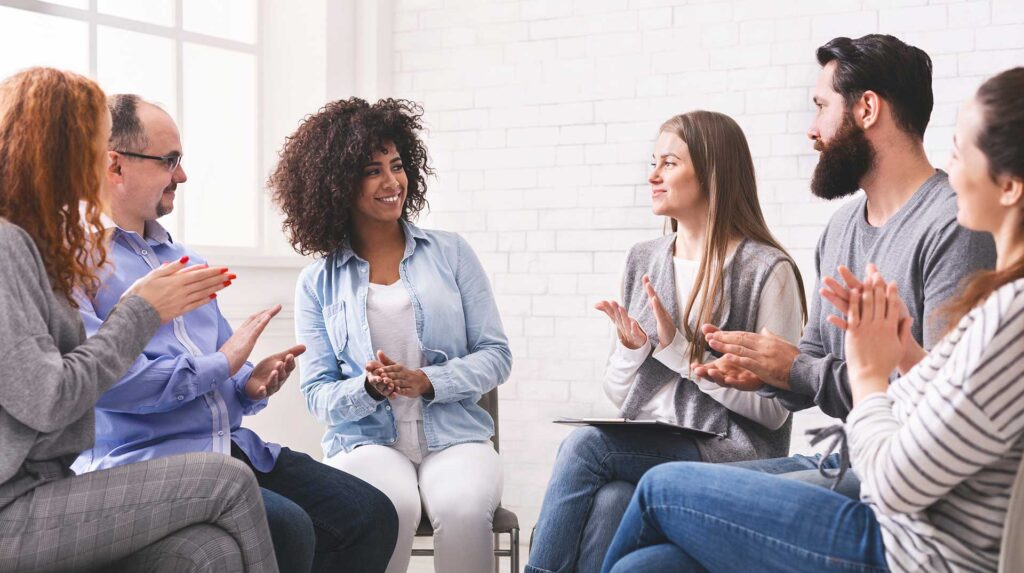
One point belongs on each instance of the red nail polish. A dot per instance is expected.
(227, 283)
(232, 277)
(183, 260)
(214, 295)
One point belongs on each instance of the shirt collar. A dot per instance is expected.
(154, 231)
(412, 235)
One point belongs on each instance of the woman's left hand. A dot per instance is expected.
(873, 345)
(408, 383)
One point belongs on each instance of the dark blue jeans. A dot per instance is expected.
(588, 459)
(688, 517)
(355, 525)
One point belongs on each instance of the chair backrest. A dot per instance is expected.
(489, 402)
(1011, 554)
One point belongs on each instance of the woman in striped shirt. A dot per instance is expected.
(937, 450)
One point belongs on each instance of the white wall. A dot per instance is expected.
(542, 116)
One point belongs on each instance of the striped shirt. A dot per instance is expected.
(938, 453)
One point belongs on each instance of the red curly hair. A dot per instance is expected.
(50, 121)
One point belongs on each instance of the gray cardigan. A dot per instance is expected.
(50, 375)
(745, 276)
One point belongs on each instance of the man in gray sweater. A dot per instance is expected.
(874, 100)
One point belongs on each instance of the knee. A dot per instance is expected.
(581, 443)
(466, 515)
(613, 498)
(383, 514)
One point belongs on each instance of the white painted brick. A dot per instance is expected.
(936, 42)
(970, 14)
(555, 197)
(850, 24)
(989, 62)
(739, 57)
(916, 18)
(1000, 37)
(566, 114)
(1007, 11)
(757, 78)
(655, 18)
(793, 52)
(757, 32)
(512, 221)
(556, 305)
(778, 100)
(720, 35)
(531, 136)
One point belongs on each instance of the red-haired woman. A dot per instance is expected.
(198, 512)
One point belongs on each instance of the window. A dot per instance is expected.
(198, 59)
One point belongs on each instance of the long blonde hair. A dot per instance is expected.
(725, 173)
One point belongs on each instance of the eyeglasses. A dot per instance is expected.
(171, 161)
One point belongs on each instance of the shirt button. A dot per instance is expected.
(364, 327)
(387, 407)
(362, 269)
(220, 433)
(144, 252)
(181, 397)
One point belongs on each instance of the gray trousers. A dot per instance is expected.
(195, 512)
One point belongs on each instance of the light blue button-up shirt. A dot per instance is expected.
(458, 327)
(177, 397)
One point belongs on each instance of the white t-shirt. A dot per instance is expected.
(393, 329)
(778, 310)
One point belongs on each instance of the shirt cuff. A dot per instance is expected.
(441, 379)
(628, 355)
(210, 370)
(803, 376)
(675, 355)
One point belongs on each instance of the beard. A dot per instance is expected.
(160, 209)
(843, 162)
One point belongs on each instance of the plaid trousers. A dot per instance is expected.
(193, 512)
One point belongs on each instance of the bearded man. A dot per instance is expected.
(874, 99)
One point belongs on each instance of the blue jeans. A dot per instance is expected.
(355, 525)
(611, 500)
(291, 532)
(805, 469)
(589, 459)
(689, 517)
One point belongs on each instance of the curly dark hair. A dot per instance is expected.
(320, 171)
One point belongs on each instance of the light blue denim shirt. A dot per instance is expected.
(458, 327)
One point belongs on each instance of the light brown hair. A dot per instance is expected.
(725, 173)
(49, 125)
(1001, 140)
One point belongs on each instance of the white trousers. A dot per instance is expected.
(460, 487)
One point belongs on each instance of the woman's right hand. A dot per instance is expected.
(631, 335)
(174, 289)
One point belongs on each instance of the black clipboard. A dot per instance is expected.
(621, 422)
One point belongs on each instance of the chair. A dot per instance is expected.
(1011, 554)
(505, 522)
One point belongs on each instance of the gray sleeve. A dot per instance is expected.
(954, 253)
(817, 378)
(43, 388)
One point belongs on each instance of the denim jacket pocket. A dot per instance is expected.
(337, 329)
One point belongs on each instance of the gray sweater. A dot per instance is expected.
(745, 275)
(922, 248)
(50, 375)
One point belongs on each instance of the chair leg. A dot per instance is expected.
(497, 559)
(514, 553)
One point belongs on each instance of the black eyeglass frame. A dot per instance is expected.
(171, 160)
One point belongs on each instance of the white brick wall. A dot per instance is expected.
(542, 116)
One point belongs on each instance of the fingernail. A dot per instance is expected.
(222, 271)
(214, 295)
(232, 277)
(227, 283)
(183, 260)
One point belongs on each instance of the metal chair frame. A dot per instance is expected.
(488, 402)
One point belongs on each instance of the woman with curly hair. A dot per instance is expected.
(199, 512)
(402, 333)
